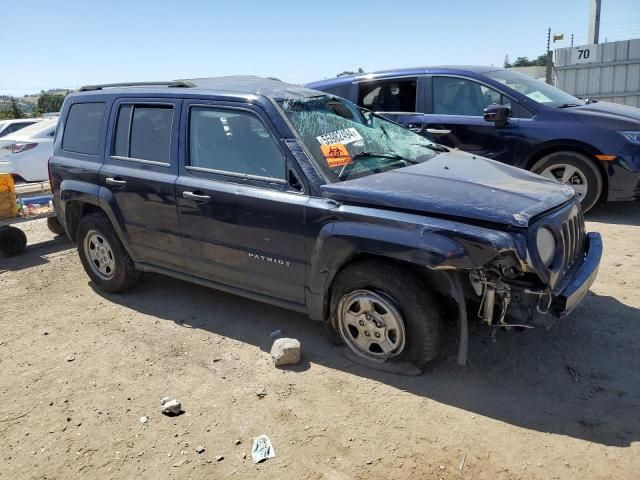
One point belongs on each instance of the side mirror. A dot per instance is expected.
(498, 114)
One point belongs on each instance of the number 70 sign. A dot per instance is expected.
(584, 54)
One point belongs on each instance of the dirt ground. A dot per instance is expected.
(563, 403)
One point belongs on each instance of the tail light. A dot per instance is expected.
(20, 147)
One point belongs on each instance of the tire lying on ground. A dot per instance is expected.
(384, 313)
(576, 170)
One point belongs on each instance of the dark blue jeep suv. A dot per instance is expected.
(513, 118)
(304, 200)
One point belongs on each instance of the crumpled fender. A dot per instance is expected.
(433, 243)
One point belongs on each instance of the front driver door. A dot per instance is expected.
(455, 119)
(243, 225)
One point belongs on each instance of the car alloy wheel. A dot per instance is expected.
(100, 255)
(371, 325)
(569, 175)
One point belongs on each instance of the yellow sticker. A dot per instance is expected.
(335, 154)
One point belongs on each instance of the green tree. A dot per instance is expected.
(49, 102)
(347, 72)
(539, 61)
(12, 112)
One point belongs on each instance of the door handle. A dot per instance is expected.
(196, 197)
(116, 182)
(438, 131)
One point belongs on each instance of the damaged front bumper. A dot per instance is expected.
(575, 287)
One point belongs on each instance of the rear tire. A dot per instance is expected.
(575, 170)
(383, 304)
(55, 227)
(103, 256)
(13, 241)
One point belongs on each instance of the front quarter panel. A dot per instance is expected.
(339, 233)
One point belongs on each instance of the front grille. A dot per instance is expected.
(572, 233)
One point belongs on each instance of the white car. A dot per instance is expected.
(7, 127)
(25, 153)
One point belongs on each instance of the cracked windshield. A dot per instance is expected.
(348, 142)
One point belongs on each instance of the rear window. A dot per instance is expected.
(83, 127)
(143, 132)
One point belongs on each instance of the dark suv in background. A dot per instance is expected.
(297, 198)
(513, 118)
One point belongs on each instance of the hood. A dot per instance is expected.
(611, 111)
(457, 184)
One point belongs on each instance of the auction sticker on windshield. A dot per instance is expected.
(344, 136)
(336, 154)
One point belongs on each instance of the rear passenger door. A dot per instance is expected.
(242, 222)
(140, 172)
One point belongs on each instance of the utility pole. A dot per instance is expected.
(594, 22)
(549, 57)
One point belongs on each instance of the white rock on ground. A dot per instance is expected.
(285, 351)
(171, 407)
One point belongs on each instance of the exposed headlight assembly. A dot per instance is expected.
(546, 243)
(632, 136)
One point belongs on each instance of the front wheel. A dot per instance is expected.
(575, 170)
(103, 256)
(384, 314)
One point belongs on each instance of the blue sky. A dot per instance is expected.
(69, 43)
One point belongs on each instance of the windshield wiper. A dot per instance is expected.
(434, 146)
(360, 155)
(568, 105)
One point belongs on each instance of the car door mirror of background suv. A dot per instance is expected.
(498, 114)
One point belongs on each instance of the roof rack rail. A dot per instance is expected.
(174, 83)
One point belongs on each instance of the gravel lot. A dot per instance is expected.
(563, 403)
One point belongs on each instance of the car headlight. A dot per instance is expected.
(632, 136)
(546, 244)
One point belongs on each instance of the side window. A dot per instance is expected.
(143, 132)
(233, 141)
(389, 95)
(83, 127)
(459, 96)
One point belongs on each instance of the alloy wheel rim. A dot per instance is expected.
(371, 325)
(568, 175)
(100, 255)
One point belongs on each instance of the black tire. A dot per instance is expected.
(585, 166)
(55, 227)
(125, 275)
(13, 241)
(416, 305)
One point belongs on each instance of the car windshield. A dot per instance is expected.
(37, 129)
(536, 90)
(348, 142)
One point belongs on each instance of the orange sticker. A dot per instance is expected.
(335, 154)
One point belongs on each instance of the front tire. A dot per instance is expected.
(384, 313)
(575, 170)
(103, 256)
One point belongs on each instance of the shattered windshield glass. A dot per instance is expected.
(348, 142)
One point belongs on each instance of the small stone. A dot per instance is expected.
(369, 462)
(238, 442)
(45, 333)
(261, 392)
(180, 463)
(71, 358)
(285, 351)
(172, 407)
(442, 467)
(144, 419)
(199, 449)
(219, 458)
(244, 455)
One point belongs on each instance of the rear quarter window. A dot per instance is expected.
(83, 127)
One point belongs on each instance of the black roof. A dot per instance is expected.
(240, 85)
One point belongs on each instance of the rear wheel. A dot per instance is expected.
(575, 170)
(103, 256)
(54, 226)
(383, 313)
(12, 241)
